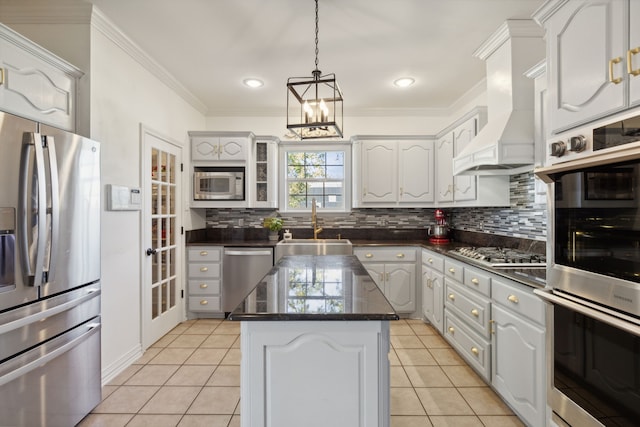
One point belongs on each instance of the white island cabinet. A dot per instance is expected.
(315, 358)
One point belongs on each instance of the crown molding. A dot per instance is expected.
(105, 26)
(511, 28)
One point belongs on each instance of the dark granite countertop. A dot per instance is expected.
(388, 237)
(308, 287)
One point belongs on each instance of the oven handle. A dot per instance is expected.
(629, 325)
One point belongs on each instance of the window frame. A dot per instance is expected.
(316, 146)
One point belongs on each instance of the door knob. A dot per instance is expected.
(150, 252)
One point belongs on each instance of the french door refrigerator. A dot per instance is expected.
(49, 275)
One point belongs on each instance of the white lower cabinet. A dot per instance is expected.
(204, 277)
(393, 269)
(433, 289)
(498, 326)
(518, 367)
(315, 373)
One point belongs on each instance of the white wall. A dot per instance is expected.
(124, 95)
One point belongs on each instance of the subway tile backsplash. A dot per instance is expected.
(522, 219)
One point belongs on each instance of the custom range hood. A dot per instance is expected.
(505, 146)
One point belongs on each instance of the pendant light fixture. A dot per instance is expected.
(314, 105)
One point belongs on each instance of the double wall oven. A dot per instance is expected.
(593, 277)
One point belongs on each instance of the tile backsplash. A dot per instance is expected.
(522, 219)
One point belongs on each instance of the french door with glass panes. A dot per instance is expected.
(162, 306)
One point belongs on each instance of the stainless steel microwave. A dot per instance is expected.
(218, 183)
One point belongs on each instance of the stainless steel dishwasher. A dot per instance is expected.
(242, 269)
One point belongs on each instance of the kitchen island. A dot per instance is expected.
(315, 344)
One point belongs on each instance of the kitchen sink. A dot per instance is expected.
(313, 247)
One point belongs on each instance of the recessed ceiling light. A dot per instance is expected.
(253, 83)
(404, 82)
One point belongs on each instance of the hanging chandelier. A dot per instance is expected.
(314, 105)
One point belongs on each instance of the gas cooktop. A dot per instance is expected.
(502, 257)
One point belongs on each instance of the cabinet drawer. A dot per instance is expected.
(471, 307)
(204, 270)
(520, 299)
(473, 348)
(453, 269)
(478, 281)
(433, 260)
(200, 287)
(202, 254)
(204, 303)
(395, 254)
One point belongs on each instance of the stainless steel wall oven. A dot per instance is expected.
(593, 284)
(593, 279)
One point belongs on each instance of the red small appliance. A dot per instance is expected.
(439, 233)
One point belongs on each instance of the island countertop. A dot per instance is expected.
(309, 287)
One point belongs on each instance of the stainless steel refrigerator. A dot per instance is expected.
(50, 371)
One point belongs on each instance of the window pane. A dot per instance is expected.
(335, 172)
(315, 174)
(335, 158)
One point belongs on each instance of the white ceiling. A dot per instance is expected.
(210, 46)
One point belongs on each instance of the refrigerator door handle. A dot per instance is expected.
(55, 208)
(31, 209)
(24, 369)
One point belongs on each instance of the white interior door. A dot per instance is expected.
(162, 304)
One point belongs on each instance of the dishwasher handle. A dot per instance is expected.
(246, 253)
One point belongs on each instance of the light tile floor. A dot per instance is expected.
(191, 377)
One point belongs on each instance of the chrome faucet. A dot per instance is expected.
(314, 220)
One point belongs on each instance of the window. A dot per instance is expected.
(316, 172)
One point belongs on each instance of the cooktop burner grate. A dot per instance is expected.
(502, 257)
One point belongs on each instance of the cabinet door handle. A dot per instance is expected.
(204, 269)
(204, 253)
(430, 260)
(613, 80)
(1, 76)
(475, 312)
(204, 302)
(475, 351)
(513, 299)
(630, 54)
(203, 286)
(430, 283)
(368, 255)
(452, 297)
(452, 270)
(451, 330)
(475, 281)
(400, 255)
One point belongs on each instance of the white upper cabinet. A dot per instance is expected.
(588, 53)
(36, 84)
(455, 188)
(465, 190)
(393, 173)
(221, 147)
